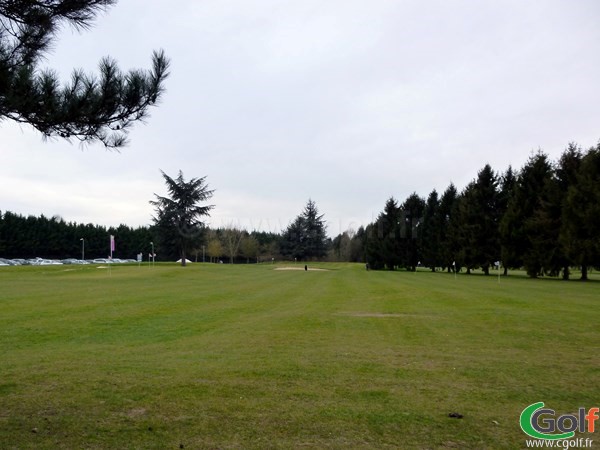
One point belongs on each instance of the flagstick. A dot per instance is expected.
(499, 265)
(112, 246)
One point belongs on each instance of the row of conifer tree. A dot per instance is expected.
(544, 218)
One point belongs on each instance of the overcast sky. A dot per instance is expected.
(344, 102)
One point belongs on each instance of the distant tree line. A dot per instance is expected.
(544, 218)
(54, 238)
(30, 237)
(304, 239)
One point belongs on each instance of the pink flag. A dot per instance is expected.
(112, 243)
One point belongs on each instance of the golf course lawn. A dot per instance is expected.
(246, 356)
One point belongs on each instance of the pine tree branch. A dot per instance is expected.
(88, 109)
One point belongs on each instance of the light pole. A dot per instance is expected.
(82, 249)
(152, 244)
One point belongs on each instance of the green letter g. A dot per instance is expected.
(526, 422)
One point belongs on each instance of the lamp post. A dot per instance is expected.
(82, 249)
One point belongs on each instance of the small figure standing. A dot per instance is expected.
(305, 267)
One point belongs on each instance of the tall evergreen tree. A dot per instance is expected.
(305, 237)
(519, 227)
(371, 247)
(548, 217)
(411, 220)
(580, 232)
(448, 245)
(177, 221)
(383, 238)
(316, 237)
(507, 184)
(292, 240)
(566, 173)
(481, 219)
(431, 233)
(465, 211)
(89, 108)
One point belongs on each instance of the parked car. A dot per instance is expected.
(101, 261)
(44, 262)
(49, 262)
(70, 261)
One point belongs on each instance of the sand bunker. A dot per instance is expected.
(312, 269)
(380, 315)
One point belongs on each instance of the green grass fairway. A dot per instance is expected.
(219, 356)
